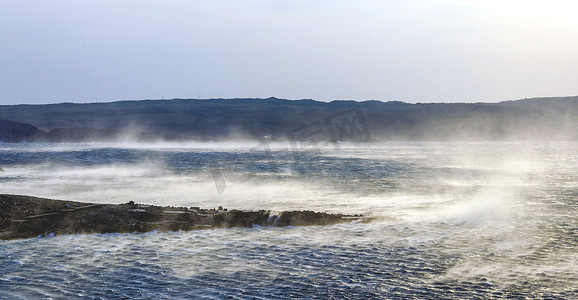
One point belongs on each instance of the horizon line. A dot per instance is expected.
(286, 99)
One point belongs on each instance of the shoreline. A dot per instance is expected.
(23, 217)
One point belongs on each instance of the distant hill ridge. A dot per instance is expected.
(554, 118)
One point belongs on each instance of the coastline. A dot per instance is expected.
(24, 217)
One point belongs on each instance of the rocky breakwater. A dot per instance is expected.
(28, 217)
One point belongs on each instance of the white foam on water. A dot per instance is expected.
(500, 211)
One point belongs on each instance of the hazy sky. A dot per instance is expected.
(408, 50)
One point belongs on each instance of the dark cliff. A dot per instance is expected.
(16, 132)
(217, 119)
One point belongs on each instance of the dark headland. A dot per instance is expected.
(28, 217)
(222, 119)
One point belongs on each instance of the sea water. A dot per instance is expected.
(452, 220)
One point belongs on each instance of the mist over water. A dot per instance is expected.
(452, 219)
